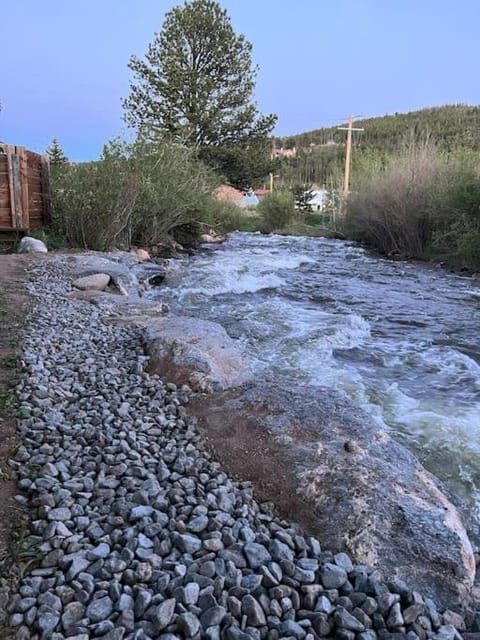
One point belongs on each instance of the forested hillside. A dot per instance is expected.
(451, 126)
(320, 153)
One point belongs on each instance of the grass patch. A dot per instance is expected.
(9, 362)
(249, 222)
(7, 401)
(26, 555)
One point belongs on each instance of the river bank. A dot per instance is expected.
(141, 532)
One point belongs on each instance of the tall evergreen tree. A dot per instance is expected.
(56, 155)
(195, 85)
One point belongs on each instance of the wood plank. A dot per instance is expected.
(18, 213)
(5, 218)
(10, 184)
(24, 188)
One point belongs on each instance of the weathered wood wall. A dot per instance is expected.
(23, 179)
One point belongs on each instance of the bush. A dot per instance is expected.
(424, 203)
(276, 210)
(135, 194)
(92, 202)
(392, 211)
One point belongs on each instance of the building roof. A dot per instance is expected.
(261, 192)
(226, 193)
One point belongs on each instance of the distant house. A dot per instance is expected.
(284, 153)
(319, 199)
(226, 193)
(249, 200)
(261, 193)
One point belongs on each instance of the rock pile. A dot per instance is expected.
(141, 534)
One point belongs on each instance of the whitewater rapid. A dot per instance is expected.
(399, 339)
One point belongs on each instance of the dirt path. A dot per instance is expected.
(14, 306)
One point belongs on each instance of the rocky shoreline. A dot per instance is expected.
(141, 533)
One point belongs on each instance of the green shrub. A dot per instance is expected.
(135, 194)
(424, 203)
(276, 210)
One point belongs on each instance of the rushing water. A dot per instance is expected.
(401, 340)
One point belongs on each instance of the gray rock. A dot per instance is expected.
(198, 524)
(395, 618)
(212, 616)
(141, 511)
(189, 593)
(62, 513)
(195, 352)
(254, 612)
(411, 613)
(95, 282)
(47, 620)
(164, 614)
(345, 620)
(342, 560)
(100, 551)
(78, 565)
(292, 628)
(188, 543)
(115, 565)
(280, 551)
(188, 624)
(333, 576)
(324, 605)
(99, 609)
(72, 613)
(257, 555)
(31, 245)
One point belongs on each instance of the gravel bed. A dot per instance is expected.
(141, 533)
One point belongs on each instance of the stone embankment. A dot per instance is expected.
(141, 533)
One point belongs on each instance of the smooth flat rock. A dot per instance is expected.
(129, 276)
(196, 352)
(121, 274)
(95, 282)
(31, 245)
(345, 481)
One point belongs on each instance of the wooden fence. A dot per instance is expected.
(23, 180)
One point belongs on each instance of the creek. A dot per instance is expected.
(399, 339)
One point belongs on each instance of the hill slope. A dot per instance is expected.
(451, 126)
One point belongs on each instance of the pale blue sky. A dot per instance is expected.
(63, 63)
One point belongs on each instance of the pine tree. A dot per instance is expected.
(56, 155)
(195, 86)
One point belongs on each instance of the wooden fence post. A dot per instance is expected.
(24, 187)
(46, 200)
(11, 190)
(18, 187)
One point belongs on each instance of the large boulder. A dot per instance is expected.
(31, 245)
(196, 352)
(345, 481)
(95, 282)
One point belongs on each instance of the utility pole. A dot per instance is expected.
(348, 155)
(271, 182)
